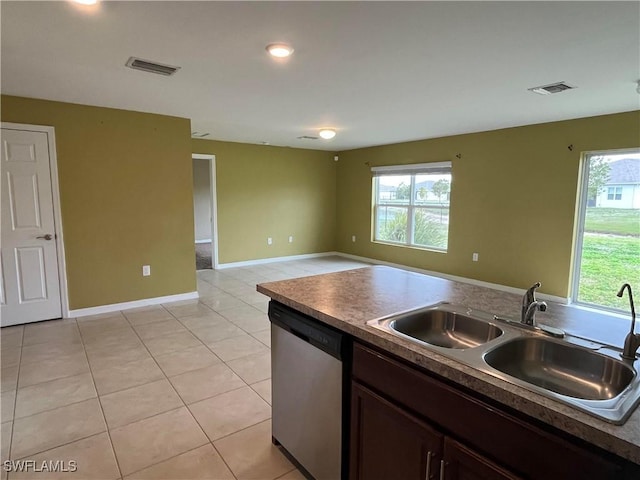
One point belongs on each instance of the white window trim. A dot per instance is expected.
(579, 227)
(412, 169)
(409, 170)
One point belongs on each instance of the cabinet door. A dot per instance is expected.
(388, 443)
(461, 463)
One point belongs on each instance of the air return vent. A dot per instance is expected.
(151, 67)
(306, 137)
(551, 88)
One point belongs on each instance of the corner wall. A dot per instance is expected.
(126, 198)
(265, 191)
(513, 198)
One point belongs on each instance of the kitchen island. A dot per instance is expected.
(348, 300)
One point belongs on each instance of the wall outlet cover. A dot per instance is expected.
(146, 270)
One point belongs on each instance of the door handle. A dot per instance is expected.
(48, 236)
(442, 465)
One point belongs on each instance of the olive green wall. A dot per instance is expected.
(513, 199)
(265, 191)
(126, 199)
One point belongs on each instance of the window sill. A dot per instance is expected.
(414, 247)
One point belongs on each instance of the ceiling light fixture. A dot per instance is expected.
(86, 2)
(279, 50)
(327, 133)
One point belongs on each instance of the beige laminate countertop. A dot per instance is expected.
(347, 300)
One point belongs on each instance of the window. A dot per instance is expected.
(607, 252)
(614, 193)
(411, 205)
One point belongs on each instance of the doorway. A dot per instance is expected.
(33, 281)
(205, 211)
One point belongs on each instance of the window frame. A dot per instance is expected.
(579, 229)
(410, 170)
(614, 193)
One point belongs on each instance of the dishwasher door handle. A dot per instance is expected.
(300, 335)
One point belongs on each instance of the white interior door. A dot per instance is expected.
(30, 288)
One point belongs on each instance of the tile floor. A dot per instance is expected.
(174, 391)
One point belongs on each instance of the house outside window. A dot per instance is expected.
(411, 205)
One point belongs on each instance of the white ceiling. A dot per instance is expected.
(379, 72)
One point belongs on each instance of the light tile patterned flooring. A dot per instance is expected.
(177, 391)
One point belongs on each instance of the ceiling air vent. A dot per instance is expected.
(151, 67)
(551, 88)
(199, 134)
(306, 137)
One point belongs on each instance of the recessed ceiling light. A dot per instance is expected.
(279, 50)
(86, 2)
(327, 133)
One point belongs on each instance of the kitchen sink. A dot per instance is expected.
(445, 327)
(583, 374)
(561, 368)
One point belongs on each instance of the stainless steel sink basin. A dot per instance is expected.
(585, 375)
(561, 368)
(444, 327)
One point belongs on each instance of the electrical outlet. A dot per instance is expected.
(290, 238)
(353, 238)
(474, 257)
(269, 241)
(146, 270)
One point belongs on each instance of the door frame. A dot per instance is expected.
(213, 203)
(55, 193)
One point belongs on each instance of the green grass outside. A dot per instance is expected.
(610, 255)
(608, 261)
(619, 221)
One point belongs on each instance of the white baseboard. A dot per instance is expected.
(262, 261)
(206, 240)
(115, 307)
(471, 281)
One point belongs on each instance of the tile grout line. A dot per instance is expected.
(247, 384)
(50, 410)
(104, 417)
(208, 398)
(185, 405)
(15, 400)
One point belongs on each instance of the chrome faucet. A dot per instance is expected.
(632, 341)
(530, 305)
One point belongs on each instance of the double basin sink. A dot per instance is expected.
(592, 378)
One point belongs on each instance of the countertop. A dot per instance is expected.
(347, 300)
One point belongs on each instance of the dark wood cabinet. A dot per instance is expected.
(462, 463)
(388, 443)
(401, 416)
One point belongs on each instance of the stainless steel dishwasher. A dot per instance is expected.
(309, 375)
